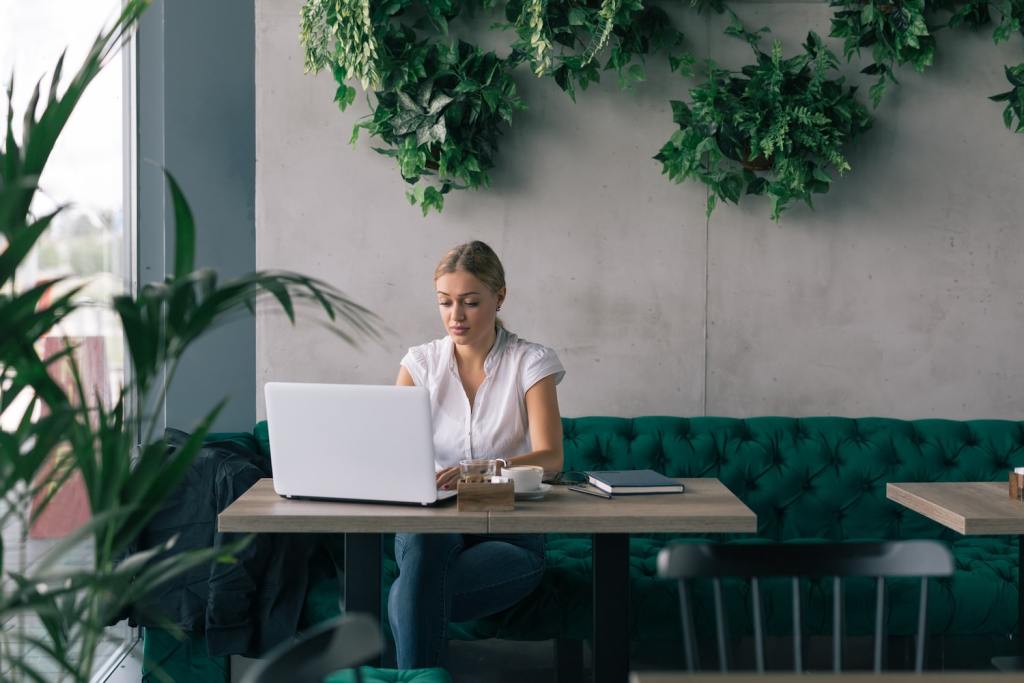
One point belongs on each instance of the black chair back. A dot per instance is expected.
(917, 558)
(341, 643)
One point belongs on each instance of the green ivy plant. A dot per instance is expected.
(776, 127)
(1010, 13)
(1014, 98)
(628, 30)
(895, 30)
(978, 13)
(445, 126)
(439, 106)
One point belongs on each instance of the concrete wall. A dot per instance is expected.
(901, 295)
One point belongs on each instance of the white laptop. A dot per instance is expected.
(352, 442)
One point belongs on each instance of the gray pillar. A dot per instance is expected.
(196, 117)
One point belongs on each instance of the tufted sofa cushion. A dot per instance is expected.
(808, 480)
(815, 477)
(372, 675)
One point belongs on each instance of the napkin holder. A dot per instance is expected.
(486, 497)
(1017, 484)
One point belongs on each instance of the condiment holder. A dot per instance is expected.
(496, 495)
(1017, 484)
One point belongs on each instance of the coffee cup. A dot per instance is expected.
(525, 478)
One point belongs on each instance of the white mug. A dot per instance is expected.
(525, 478)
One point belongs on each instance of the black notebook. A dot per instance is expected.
(634, 481)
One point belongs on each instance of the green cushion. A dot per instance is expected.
(815, 477)
(243, 439)
(372, 675)
(262, 436)
(809, 479)
(165, 657)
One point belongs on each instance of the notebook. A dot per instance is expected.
(634, 481)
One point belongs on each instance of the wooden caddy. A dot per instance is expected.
(486, 497)
(1016, 486)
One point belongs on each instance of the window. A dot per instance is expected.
(90, 242)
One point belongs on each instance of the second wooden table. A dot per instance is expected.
(971, 508)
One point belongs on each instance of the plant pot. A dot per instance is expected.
(883, 7)
(758, 163)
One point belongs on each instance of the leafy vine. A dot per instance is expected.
(775, 128)
(439, 105)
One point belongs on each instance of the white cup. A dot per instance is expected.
(525, 478)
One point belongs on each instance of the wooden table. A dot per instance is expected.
(706, 507)
(828, 677)
(971, 508)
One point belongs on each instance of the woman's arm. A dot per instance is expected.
(545, 428)
(446, 477)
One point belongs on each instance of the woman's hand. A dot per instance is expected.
(446, 478)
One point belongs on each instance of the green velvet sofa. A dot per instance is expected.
(808, 479)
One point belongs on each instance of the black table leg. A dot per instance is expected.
(1020, 595)
(362, 574)
(1016, 663)
(611, 608)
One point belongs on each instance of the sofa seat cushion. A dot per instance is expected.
(971, 602)
(373, 675)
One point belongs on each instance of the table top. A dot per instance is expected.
(707, 506)
(260, 509)
(969, 507)
(826, 677)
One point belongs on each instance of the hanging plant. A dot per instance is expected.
(438, 109)
(1014, 98)
(445, 126)
(566, 38)
(1010, 13)
(978, 13)
(895, 30)
(776, 127)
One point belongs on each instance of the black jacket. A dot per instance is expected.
(243, 607)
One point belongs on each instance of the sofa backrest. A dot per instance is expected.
(814, 477)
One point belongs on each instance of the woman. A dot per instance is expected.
(492, 395)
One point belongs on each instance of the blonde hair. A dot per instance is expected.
(477, 259)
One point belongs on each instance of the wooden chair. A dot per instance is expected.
(916, 558)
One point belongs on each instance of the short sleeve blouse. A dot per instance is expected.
(497, 426)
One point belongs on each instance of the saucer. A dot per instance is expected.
(535, 494)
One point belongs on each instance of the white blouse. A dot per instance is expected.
(497, 425)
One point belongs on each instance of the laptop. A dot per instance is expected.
(352, 442)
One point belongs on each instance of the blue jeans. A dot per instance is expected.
(455, 577)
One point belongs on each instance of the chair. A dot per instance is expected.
(345, 642)
(917, 558)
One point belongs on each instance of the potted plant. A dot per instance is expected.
(1014, 98)
(581, 31)
(896, 32)
(439, 108)
(445, 125)
(776, 127)
(127, 470)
